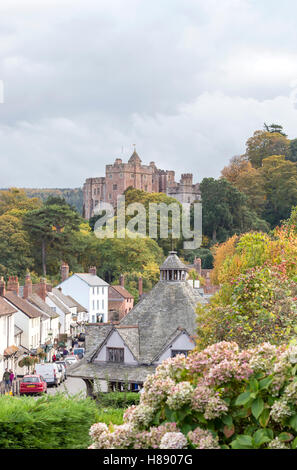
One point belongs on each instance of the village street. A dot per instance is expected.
(71, 385)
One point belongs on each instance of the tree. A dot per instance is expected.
(51, 228)
(292, 154)
(274, 128)
(256, 302)
(225, 210)
(237, 166)
(15, 246)
(15, 198)
(115, 256)
(280, 183)
(264, 144)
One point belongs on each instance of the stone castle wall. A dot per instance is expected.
(119, 176)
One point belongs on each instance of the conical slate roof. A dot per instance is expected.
(168, 306)
(173, 262)
(134, 158)
(147, 330)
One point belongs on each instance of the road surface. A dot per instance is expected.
(72, 385)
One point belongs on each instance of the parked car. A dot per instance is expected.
(63, 363)
(51, 373)
(70, 360)
(62, 369)
(33, 384)
(79, 352)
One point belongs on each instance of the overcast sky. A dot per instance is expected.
(187, 81)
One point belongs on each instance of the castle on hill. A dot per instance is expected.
(119, 176)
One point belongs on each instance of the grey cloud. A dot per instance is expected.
(188, 82)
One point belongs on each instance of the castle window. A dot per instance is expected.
(110, 175)
(114, 186)
(115, 354)
(109, 195)
(121, 175)
(132, 175)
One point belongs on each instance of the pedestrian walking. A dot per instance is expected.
(11, 377)
(6, 379)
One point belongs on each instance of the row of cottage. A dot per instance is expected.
(35, 319)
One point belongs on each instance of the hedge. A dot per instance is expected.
(49, 422)
(117, 399)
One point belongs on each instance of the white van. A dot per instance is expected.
(50, 372)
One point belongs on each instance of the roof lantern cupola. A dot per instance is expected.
(173, 270)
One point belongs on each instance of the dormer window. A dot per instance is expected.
(115, 354)
(175, 352)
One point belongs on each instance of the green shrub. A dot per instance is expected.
(111, 415)
(117, 399)
(50, 422)
(221, 397)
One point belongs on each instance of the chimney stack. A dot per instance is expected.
(64, 271)
(27, 287)
(2, 287)
(122, 280)
(42, 291)
(140, 286)
(93, 270)
(13, 284)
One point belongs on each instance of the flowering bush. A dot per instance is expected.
(261, 305)
(221, 397)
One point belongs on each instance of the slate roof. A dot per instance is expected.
(80, 308)
(147, 330)
(135, 158)
(166, 307)
(58, 303)
(6, 308)
(121, 290)
(68, 301)
(130, 336)
(36, 300)
(172, 262)
(23, 305)
(94, 337)
(111, 371)
(91, 280)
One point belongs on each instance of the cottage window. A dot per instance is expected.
(115, 354)
(175, 352)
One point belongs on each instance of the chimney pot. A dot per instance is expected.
(13, 284)
(93, 270)
(64, 271)
(27, 287)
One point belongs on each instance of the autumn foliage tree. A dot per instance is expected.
(257, 300)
